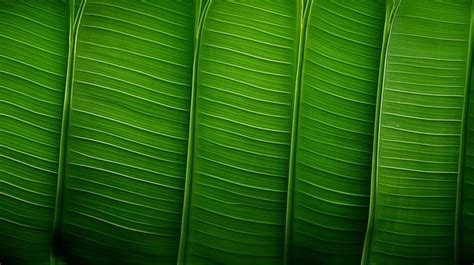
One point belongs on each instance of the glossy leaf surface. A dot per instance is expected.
(336, 119)
(128, 132)
(246, 79)
(236, 132)
(467, 232)
(420, 133)
(33, 59)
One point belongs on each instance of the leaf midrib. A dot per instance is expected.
(198, 25)
(302, 22)
(74, 22)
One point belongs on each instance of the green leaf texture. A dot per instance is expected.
(419, 134)
(244, 105)
(77, 7)
(468, 187)
(128, 132)
(33, 58)
(336, 120)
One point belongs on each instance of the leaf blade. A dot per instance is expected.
(335, 126)
(32, 69)
(243, 119)
(128, 132)
(418, 150)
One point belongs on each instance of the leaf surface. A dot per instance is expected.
(33, 59)
(335, 131)
(467, 233)
(419, 134)
(128, 129)
(242, 130)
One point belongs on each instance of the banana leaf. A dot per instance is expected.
(414, 217)
(127, 135)
(335, 131)
(236, 192)
(236, 132)
(33, 65)
(467, 232)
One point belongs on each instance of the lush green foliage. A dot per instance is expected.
(420, 132)
(33, 60)
(236, 132)
(127, 136)
(335, 131)
(467, 225)
(246, 71)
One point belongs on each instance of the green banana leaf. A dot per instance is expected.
(236, 132)
(467, 243)
(77, 7)
(127, 133)
(237, 175)
(335, 131)
(414, 217)
(33, 60)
